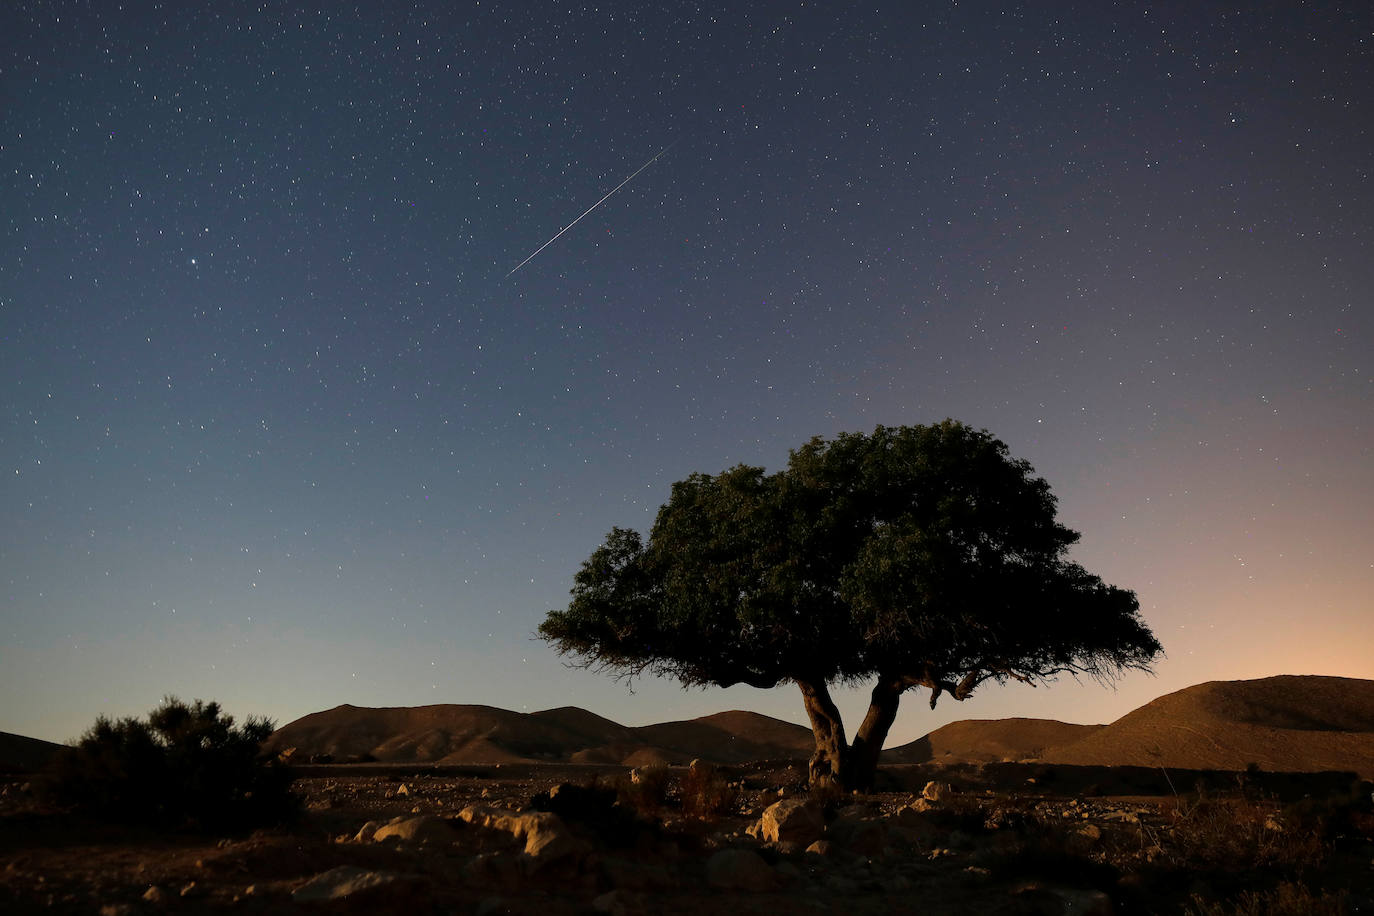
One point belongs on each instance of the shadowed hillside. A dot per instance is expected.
(988, 741)
(19, 754)
(1291, 722)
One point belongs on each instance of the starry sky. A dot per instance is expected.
(279, 427)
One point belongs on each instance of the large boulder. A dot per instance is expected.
(546, 837)
(423, 829)
(792, 820)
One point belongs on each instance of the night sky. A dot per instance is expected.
(279, 427)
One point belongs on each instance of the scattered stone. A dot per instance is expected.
(403, 789)
(740, 870)
(799, 820)
(154, 894)
(823, 848)
(189, 890)
(1090, 832)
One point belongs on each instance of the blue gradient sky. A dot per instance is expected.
(277, 429)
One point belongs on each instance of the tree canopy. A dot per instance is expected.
(921, 556)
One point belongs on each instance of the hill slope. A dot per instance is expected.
(19, 754)
(988, 741)
(1286, 723)
(484, 734)
(1291, 722)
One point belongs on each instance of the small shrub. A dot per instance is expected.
(645, 789)
(184, 766)
(1239, 835)
(707, 794)
(1285, 900)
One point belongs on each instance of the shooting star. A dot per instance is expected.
(591, 208)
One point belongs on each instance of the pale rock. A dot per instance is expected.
(545, 835)
(823, 848)
(154, 894)
(341, 882)
(938, 792)
(799, 820)
(423, 829)
(368, 830)
(740, 870)
(403, 789)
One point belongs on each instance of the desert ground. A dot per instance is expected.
(981, 825)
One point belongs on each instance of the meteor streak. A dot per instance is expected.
(591, 208)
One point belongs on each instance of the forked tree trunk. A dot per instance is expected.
(828, 764)
(834, 763)
(872, 733)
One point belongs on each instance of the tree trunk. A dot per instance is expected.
(828, 763)
(868, 740)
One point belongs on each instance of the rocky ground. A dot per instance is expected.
(556, 840)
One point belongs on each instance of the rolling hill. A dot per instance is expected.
(988, 741)
(1286, 723)
(452, 734)
(1298, 723)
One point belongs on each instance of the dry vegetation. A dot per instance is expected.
(644, 839)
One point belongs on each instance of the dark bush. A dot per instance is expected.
(188, 765)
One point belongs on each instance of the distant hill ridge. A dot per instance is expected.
(1289, 722)
(1286, 723)
(452, 734)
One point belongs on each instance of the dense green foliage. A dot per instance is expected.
(920, 556)
(187, 765)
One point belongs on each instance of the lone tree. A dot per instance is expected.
(919, 556)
